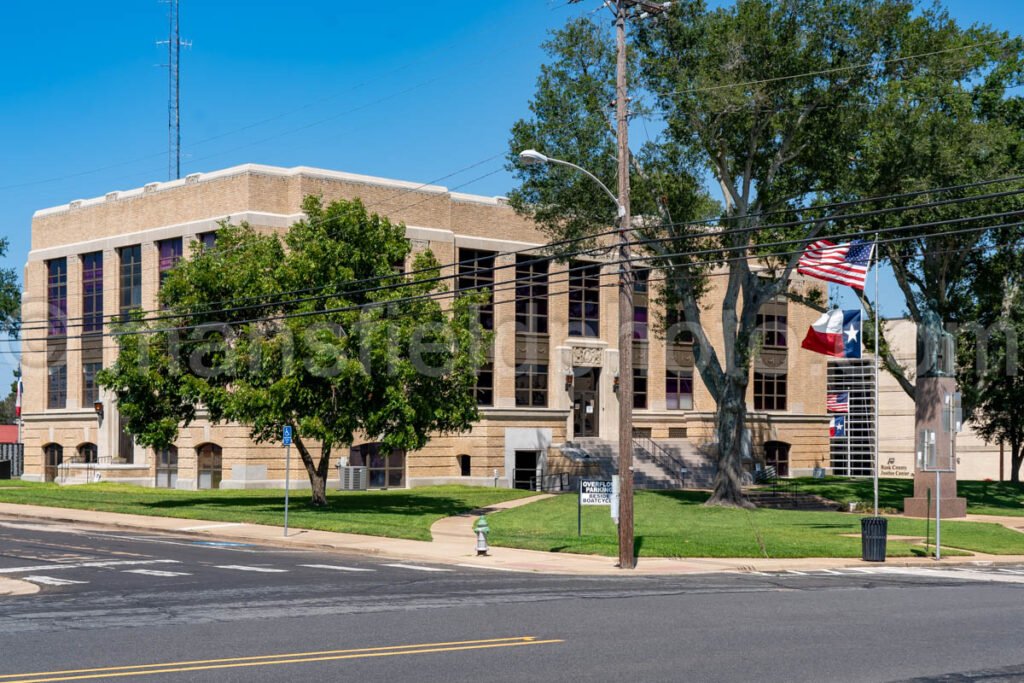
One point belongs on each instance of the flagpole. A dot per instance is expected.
(878, 314)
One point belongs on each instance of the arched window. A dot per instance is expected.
(209, 464)
(167, 467)
(53, 456)
(87, 453)
(776, 454)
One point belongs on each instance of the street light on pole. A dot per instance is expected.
(531, 157)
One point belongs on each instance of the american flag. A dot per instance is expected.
(838, 403)
(844, 264)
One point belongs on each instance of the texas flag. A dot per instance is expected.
(836, 333)
(17, 400)
(837, 426)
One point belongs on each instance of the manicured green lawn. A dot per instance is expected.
(676, 524)
(983, 497)
(396, 514)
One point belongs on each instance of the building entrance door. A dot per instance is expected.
(525, 472)
(585, 408)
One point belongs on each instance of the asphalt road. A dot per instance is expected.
(120, 605)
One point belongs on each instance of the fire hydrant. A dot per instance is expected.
(481, 528)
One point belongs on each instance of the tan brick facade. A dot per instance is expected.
(445, 222)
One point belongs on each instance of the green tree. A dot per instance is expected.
(7, 405)
(10, 296)
(787, 107)
(317, 329)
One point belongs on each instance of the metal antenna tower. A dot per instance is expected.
(174, 44)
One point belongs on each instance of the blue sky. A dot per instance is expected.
(411, 90)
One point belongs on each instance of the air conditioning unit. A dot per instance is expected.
(353, 478)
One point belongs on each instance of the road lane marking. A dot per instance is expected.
(82, 565)
(50, 580)
(246, 568)
(793, 571)
(860, 571)
(154, 572)
(337, 567)
(272, 660)
(829, 571)
(208, 526)
(417, 567)
(961, 574)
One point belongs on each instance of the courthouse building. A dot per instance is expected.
(551, 378)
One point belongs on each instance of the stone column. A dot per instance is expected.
(929, 405)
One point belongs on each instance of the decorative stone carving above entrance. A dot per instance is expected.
(586, 356)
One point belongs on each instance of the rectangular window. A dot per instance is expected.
(170, 254)
(57, 387)
(773, 330)
(92, 292)
(531, 294)
(641, 276)
(639, 387)
(584, 300)
(476, 274)
(207, 239)
(131, 278)
(57, 296)
(532, 385)
(769, 391)
(485, 385)
(639, 323)
(679, 389)
(90, 390)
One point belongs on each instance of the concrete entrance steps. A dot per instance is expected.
(661, 465)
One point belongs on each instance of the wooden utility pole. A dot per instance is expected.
(626, 554)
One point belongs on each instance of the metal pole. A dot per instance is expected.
(626, 560)
(938, 515)
(579, 510)
(878, 315)
(287, 483)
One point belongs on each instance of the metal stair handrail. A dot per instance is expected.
(658, 453)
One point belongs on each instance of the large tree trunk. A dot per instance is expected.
(317, 472)
(1016, 456)
(729, 428)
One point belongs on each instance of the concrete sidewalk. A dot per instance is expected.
(455, 543)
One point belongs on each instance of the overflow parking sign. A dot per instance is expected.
(595, 492)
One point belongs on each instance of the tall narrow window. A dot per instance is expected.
(584, 300)
(57, 296)
(476, 274)
(57, 387)
(92, 292)
(679, 389)
(485, 384)
(639, 387)
(131, 278)
(90, 390)
(639, 323)
(531, 294)
(170, 254)
(678, 330)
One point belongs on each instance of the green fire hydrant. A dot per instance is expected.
(481, 528)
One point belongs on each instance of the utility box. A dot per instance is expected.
(352, 478)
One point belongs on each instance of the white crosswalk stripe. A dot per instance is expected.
(829, 571)
(81, 565)
(154, 572)
(417, 567)
(336, 567)
(51, 581)
(245, 568)
(793, 571)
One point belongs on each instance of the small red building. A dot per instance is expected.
(8, 433)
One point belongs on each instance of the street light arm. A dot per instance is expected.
(619, 207)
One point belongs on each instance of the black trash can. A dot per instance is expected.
(873, 532)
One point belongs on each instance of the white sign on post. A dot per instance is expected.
(595, 492)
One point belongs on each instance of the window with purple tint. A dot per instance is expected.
(207, 239)
(584, 299)
(679, 390)
(131, 278)
(640, 322)
(57, 296)
(170, 254)
(92, 292)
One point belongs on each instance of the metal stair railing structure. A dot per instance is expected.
(661, 456)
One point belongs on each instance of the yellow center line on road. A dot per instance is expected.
(271, 660)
